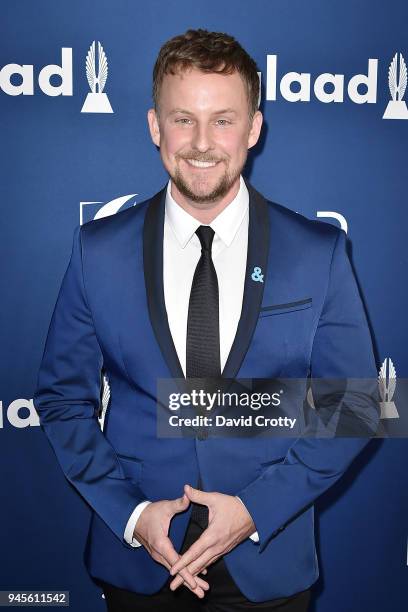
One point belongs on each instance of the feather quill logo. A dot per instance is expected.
(397, 83)
(387, 382)
(96, 65)
(104, 399)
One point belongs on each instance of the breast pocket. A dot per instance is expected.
(276, 309)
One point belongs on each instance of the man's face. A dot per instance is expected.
(204, 134)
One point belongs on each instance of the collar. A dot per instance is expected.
(225, 225)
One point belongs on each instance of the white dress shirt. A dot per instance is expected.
(181, 253)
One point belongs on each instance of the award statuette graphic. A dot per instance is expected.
(104, 400)
(96, 101)
(387, 381)
(397, 108)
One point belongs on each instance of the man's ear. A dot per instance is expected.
(255, 129)
(154, 128)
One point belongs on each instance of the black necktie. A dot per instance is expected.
(203, 331)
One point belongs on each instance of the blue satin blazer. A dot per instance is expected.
(306, 319)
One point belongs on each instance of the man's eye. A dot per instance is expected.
(185, 120)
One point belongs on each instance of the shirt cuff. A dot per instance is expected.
(131, 524)
(254, 536)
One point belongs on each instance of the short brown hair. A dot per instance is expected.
(208, 52)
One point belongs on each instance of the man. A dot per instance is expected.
(205, 278)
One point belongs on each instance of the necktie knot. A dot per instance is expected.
(205, 234)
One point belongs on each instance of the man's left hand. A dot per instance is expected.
(229, 522)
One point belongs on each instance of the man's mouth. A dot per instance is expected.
(201, 164)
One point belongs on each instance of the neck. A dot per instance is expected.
(212, 210)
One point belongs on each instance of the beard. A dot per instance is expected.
(201, 196)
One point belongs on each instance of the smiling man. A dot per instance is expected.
(205, 279)
(204, 125)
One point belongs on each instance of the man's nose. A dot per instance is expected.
(201, 139)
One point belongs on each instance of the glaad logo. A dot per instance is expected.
(328, 87)
(397, 108)
(20, 413)
(96, 101)
(387, 381)
(25, 75)
(334, 81)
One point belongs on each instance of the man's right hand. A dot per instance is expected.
(152, 530)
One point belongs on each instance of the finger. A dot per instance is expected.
(171, 557)
(202, 583)
(189, 579)
(193, 553)
(178, 580)
(196, 569)
(180, 504)
(201, 587)
(204, 561)
(196, 495)
(175, 583)
(203, 571)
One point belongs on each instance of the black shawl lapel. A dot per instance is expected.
(153, 230)
(257, 257)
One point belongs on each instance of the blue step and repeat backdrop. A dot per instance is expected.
(334, 147)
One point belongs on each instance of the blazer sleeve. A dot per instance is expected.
(342, 350)
(67, 399)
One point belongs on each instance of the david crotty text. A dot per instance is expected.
(222, 421)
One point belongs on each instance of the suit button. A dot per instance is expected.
(202, 434)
